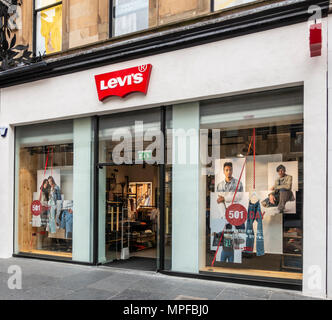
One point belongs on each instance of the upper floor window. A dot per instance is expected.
(48, 26)
(130, 16)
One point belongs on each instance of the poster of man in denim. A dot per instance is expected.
(228, 188)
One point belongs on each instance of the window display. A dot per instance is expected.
(254, 183)
(53, 190)
(45, 199)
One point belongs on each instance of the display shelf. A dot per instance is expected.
(254, 272)
(48, 253)
(292, 254)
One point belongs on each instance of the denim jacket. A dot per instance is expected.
(55, 195)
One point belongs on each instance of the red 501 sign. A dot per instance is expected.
(236, 214)
(36, 208)
(121, 83)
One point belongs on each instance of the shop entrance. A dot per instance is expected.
(131, 216)
(129, 190)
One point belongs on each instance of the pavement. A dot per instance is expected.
(45, 280)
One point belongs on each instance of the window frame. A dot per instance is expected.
(110, 19)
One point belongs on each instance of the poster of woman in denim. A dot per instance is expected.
(54, 204)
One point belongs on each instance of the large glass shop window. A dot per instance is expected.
(45, 190)
(252, 154)
(53, 190)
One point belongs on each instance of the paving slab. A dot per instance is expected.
(87, 294)
(45, 280)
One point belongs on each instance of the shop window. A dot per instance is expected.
(226, 4)
(48, 26)
(252, 174)
(53, 190)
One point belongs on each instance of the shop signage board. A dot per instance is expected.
(123, 82)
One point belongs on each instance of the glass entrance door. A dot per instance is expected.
(129, 164)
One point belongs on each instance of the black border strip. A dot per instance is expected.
(48, 7)
(280, 283)
(95, 190)
(14, 192)
(110, 18)
(234, 25)
(162, 193)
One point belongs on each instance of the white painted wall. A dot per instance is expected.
(270, 59)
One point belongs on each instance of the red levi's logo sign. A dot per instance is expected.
(121, 83)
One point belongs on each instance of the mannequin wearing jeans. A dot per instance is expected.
(255, 213)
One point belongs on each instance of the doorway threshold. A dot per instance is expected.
(134, 263)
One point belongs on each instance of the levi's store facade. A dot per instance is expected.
(215, 169)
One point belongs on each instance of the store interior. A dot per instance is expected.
(132, 216)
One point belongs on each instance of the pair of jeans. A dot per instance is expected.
(58, 210)
(51, 219)
(254, 213)
(285, 196)
(67, 222)
(227, 256)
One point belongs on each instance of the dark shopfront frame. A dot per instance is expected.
(223, 277)
(98, 165)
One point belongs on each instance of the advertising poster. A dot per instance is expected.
(276, 195)
(283, 184)
(228, 189)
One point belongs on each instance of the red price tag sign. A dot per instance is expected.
(36, 208)
(236, 214)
